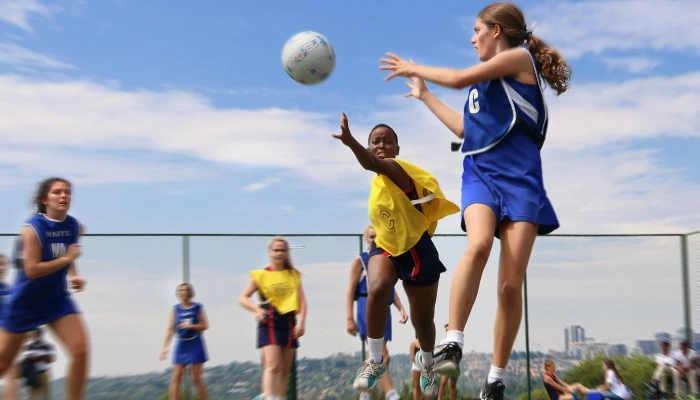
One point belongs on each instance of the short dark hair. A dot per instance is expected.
(396, 137)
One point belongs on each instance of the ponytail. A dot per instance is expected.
(552, 66)
(611, 366)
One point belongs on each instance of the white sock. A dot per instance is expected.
(496, 374)
(392, 395)
(454, 336)
(427, 358)
(375, 349)
(365, 396)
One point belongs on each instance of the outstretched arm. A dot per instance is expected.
(506, 63)
(452, 119)
(369, 161)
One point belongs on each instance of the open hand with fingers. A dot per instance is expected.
(345, 135)
(418, 88)
(398, 66)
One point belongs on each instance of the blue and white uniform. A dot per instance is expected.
(362, 291)
(505, 124)
(36, 302)
(189, 346)
(4, 298)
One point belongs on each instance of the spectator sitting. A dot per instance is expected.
(613, 387)
(556, 388)
(665, 367)
(685, 368)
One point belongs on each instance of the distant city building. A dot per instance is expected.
(573, 335)
(647, 347)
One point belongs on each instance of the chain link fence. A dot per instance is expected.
(584, 295)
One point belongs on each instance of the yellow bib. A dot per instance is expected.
(398, 224)
(279, 288)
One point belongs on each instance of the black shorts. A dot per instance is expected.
(419, 266)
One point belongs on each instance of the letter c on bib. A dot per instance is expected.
(473, 103)
(386, 217)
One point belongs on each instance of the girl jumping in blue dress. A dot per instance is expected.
(503, 126)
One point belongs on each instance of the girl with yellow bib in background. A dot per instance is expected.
(281, 300)
(404, 206)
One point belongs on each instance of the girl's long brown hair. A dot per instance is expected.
(552, 66)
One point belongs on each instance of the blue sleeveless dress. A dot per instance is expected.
(189, 348)
(36, 302)
(502, 168)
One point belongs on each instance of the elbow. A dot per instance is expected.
(31, 272)
(459, 127)
(371, 164)
(456, 81)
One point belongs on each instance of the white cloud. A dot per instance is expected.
(596, 26)
(257, 186)
(634, 65)
(595, 181)
(22, 165)
(13, 54)
(18, 12)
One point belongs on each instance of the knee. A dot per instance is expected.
(6, 371)
(479, 249)
(510, 292)
(177, 378)
(79, 349)
(422, 323)
(380, 288)
(197, 379)
(274, 366)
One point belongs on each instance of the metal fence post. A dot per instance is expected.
(185, 259)
(527, 342)
(686, 288)
(361, 341)
(186, 279)
(292, 386)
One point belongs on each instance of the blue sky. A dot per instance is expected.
(176, 116)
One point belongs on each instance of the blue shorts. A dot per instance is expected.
(419, 266)
(190, 352)
(362, 319)
(508, 179)
(277, 330)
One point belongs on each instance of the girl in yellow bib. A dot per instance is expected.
(404, 206)
(281, 300)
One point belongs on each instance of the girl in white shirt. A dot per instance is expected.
(614, 388)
